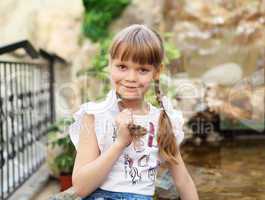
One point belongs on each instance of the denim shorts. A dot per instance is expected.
(100, 194)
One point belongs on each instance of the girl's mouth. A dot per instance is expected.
(129, 88)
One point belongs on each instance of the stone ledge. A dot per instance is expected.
(68, 194)
(33, 185)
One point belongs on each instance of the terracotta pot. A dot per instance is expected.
(65, 181)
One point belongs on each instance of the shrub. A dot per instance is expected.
(99, 15)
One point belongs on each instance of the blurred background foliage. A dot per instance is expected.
(99, 15)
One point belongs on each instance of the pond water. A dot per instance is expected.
(231, 170)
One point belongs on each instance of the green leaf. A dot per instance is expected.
(99, 15)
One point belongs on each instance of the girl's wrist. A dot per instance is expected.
(119, 145)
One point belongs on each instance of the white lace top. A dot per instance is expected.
(135, 170)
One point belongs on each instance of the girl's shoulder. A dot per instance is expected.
(92, 107)
(99, 110)
(103, 106)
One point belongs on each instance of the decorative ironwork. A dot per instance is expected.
(26, 111)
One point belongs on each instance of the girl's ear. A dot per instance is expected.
(158, 72)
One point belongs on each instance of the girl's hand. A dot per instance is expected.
(123, 135)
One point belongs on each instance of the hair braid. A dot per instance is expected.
(168, 147)
(158, 94)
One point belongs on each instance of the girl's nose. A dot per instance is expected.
(131, 76)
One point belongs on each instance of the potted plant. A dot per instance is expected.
(61, 160)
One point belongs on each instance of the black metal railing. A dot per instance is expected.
(26, 111)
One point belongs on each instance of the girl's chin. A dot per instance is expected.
(130, 95)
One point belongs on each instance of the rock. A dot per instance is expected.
(55, 27)
(224, 74)
(69, 194)
(213, 138)
(165, 187)
(58, 27)
(140, 12)
(17, 21)
(257, 101)
(197, 141)
(52, 25)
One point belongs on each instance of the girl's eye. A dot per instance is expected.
(121, 67)
(143, 70)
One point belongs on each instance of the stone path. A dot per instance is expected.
(50, 189)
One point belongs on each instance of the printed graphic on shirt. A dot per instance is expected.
(131, 170)
(114, 133)
(135, 176)
(151, 134)
(143, 161)
(138, 145)
(137, 167)
(152, 173)
(134, 171)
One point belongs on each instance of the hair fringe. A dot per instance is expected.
(139, 44)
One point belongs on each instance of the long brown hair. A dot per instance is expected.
(145, 46)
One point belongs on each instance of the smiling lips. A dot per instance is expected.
(130, 88)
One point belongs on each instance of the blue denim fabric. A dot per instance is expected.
(100, 194)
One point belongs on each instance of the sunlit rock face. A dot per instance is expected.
(216, 32)
(225, 74)
(209, 34)
(53, 25)
(147, 12)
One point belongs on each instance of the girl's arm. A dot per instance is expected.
(183, 180)
(90, 169)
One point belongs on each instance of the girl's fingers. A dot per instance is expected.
(126, 116)
(127, 110)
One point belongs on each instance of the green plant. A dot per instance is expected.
(98, 67)
(98, 16)
(167, 88)
(63, 162)
(171, 51)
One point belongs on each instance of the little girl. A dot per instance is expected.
(122, 140)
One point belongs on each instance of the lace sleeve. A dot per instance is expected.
(177, 122)
(75, 127)
(176, 118)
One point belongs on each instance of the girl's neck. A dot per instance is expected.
(137, 106)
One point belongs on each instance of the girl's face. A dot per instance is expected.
(131, 80)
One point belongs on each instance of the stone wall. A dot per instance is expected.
(53, 25)
(203, 32)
